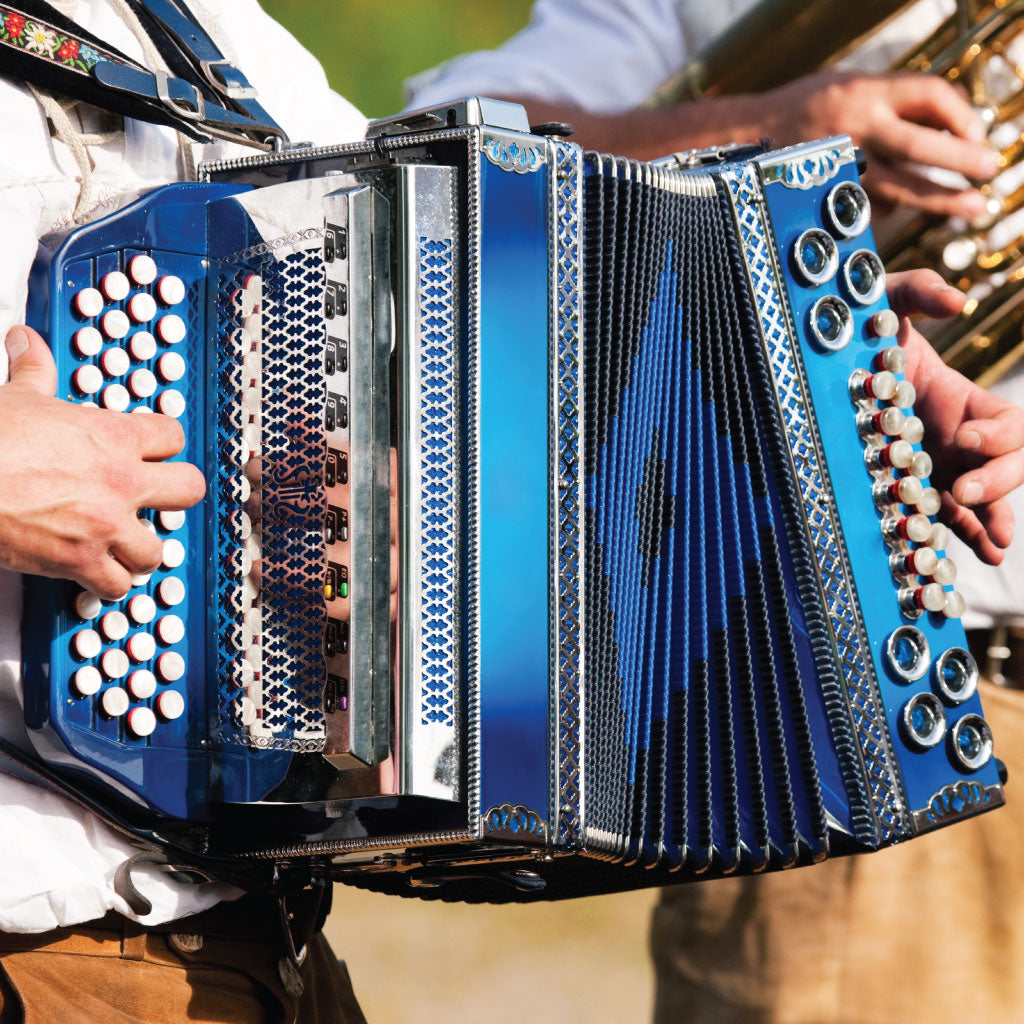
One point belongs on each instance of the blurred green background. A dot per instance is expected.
(368, 47)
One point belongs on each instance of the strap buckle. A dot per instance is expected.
(213, 70)
(180, 107)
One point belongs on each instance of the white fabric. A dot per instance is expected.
(608, 56)
(57, 863)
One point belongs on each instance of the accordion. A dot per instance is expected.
(568, 527)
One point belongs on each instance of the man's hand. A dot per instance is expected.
(974, 436)
(72, 479)
(899, 121)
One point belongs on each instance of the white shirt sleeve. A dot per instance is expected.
(601, 55)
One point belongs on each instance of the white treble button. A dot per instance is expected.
(88, 605)
(115, 362)
(142, 346)
(141, 647)
(141, 684)
(173, 554)
(142, 609)
(115, 323)
(170, 704)
(87, 681)
(171, 591)
(170, 629)
(88, 341)
(171, 367)
(88, 302)
(171, 403)
(87, 643)
(115, 702)
(142, 269)
(170, 290)
(142, 383)
(88, 379)
(142, 307)
(170, 329)
(114, 625)
(171, 520)
(170, 666)
(115, 397)
(141, 721)
(114, 663)
(115, 286)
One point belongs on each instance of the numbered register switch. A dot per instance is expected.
(672, 600)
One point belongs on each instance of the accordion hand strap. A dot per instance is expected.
(41, 46)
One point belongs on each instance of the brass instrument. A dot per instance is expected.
(974, 48)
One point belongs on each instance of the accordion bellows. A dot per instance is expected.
(671, 602)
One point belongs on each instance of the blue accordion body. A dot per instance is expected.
(669, 594)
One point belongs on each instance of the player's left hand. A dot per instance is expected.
(974, 436)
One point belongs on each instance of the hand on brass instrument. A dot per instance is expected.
(975, 437)
(74, 478)
(902, 122)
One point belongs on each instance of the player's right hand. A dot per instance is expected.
(72, 479)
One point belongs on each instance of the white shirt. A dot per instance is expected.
(57, 862)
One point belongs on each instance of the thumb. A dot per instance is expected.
(31, 362)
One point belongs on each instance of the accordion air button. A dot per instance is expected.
(87, 643)
(921, 465)
(864, 277)
(170, 290)
(171, 591)
(142, 383)
(930, 501)
(115, 362)
(171, 329)
(88, 341)
(141, 722)
(885, 324)
(893, 358)
(924, 721)
(141, 684)
(114, 663)
(115, 702)
(173, 553)
(87, 681)
(142, 346)
(170, 666)
(142, 609)
(939, 537)
(88, 302)
(171, 367)
(88, 379)
(114, 625)
(115, 286)
(171, 403)
(88, 605)
(847, 209)
(831, 323)
(142, 307)
(908, 653)
(142, 269)
(115, 397)
(955, 605)
(170, 705)
(815, 256)
(904, 395)
(913, 429)
(141, 647)
(170, 629)
(115, 324)
(956, 675)
(171, 520)
(971, 742)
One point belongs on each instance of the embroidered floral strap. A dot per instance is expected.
(37, 37)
